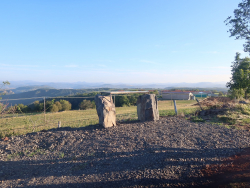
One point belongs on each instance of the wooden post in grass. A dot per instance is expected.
(59, 124)
(171, 99)
(175, 108)
(199, 103)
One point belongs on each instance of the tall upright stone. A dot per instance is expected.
(106, 111)
(147, 108)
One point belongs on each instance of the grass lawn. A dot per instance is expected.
(25, 123)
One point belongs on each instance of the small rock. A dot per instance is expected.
(243, 102)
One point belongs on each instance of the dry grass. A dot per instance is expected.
(25, 123)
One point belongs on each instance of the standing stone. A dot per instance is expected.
(105, 110)
(147, 108)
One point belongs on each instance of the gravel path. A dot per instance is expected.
(169, 152)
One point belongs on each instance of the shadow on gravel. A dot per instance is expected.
(105, 164)
(142, 183)
(150, 166)
(89, 127)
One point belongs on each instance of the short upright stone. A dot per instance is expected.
(147, 108)
(106, 111)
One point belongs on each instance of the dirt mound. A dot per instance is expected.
(216, 101)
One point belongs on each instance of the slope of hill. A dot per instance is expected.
(30, 88)
(39, 93)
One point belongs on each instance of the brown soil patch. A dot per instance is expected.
(212, 101)
(233, 172)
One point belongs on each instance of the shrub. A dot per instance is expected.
(54, 108)
(66, 105)
(59, 105)
(21, 108)
(86, 104)
(38, 107)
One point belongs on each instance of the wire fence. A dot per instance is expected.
(16, 122)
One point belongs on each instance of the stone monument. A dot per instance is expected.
(147, 108)
(105, 110)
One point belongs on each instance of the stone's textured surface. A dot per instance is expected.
(105, 110)
(147, 108)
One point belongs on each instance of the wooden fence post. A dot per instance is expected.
(175, 108)
(199, 103)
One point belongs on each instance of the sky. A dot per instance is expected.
(128, 41)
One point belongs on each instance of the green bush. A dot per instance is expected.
(86, 104)
(54, 108)
(21, 108)
(66, 105)
(38, 107)
(59, 105)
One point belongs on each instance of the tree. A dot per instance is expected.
(133, 99)
(37, 106)
(154, 92)
(240, 23)
(3, 84)
(3, 106)
(49, 105)
(239, 85)
(86, 104)
(66, 105)
(21, 108)
(54, 108)
(220, 94)
(124, 101)
(59, 105)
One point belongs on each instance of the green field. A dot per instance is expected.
(26, 123)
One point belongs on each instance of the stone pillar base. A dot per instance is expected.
(106, 111)
(147, 108)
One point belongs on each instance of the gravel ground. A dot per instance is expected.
(169, 152)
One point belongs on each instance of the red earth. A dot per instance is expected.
(232, 172)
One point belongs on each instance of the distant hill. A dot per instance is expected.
(41, 93)
(30, 88)
(87, 85)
